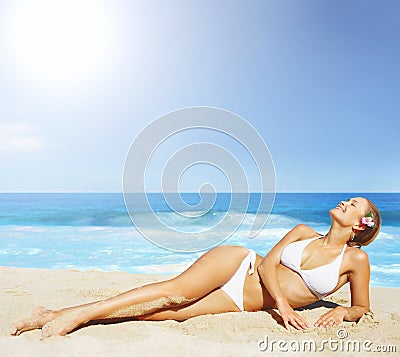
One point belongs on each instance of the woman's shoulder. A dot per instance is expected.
(356, 256)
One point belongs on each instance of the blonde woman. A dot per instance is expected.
(303, 267)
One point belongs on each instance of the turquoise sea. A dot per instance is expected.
(93, 231)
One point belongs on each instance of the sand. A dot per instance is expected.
(229, 334)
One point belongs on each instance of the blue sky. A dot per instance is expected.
(319, 80)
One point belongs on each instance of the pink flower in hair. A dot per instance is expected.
(367, 220)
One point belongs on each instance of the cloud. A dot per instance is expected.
(19, 138)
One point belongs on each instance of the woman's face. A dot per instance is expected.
(350, 212)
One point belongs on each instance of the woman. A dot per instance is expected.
(300, 269)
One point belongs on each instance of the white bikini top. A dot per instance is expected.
(321, 280)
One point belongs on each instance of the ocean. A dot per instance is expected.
(87, 231)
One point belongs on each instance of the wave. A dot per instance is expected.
(109, 210)
(191, 220)
(164, 269)
(386, 268)
(124, 249)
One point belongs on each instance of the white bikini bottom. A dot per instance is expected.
(234, 287)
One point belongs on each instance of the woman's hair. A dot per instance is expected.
(366, 236)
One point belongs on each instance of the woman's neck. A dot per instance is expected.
(337, 236)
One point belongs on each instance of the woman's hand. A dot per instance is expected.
(332, 318)
(291, 317)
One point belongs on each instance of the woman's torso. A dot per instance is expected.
(256, 296)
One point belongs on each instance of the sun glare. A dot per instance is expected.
(62, 41)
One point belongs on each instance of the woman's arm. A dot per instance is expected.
(359, 287)
(268, 273)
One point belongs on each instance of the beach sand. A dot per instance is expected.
(230, 334)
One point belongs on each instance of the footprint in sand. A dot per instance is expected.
(15, 291)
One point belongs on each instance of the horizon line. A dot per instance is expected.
(241, 192)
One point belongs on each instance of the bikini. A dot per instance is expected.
(321, 280)
(234, 287)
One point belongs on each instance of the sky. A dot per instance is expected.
(318, 80)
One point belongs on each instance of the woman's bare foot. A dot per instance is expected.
(65, 323)
(40, 316)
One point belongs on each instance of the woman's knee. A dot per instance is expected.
(208, 273)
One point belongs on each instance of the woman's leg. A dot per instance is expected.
(216, 302)
(209, 272)
(40, 316)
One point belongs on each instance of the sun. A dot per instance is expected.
(60, 41)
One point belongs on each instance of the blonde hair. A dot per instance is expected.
(367, 235)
